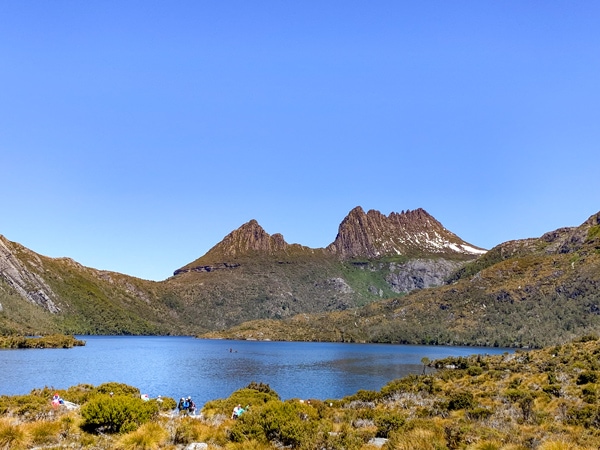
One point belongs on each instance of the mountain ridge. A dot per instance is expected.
(368, 235)
(520, 293)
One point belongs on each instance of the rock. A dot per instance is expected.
(197, 446)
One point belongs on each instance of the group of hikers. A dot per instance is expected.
(186, 406)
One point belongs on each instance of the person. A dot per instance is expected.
(57, 400)
(236, 411)
(181, 406)
(242, 410)
(191, 406)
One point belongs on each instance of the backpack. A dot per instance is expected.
(186, 404)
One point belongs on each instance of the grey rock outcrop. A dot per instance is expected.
(25, 281)
(420, 274)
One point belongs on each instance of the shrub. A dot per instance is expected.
(588, 376)
(118, 389)
(262, 387)
(460, 400)
(474, 371)
(30, 407)
(287, 423)
(552, 389)
(364, 396)
(388, 422)
(478, 413)
(116, 414)
(244, 397)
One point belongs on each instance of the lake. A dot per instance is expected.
(211, 369)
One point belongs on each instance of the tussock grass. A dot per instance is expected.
(150, 436)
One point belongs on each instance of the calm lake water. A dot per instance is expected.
(211, 369)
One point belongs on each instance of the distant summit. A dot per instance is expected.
(373, 235)
(369, 235)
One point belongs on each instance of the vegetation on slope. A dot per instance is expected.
(52, 341)
(543, 399)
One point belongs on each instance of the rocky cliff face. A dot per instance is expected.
(420, 274)
(24, 279)
(374, 235)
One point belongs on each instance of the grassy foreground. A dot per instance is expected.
(541, 399)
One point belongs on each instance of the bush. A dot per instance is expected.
(589, 376)
(262, 387)
(244, 397)
(460, 400)
(116, 414)
(364, 395)
(288, 423)
(118, 389)
(388, 422)
(28, 407)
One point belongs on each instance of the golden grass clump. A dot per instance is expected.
(43, 432)
(12, 436)
(417, 439)
(150, 436)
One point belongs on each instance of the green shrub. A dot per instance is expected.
(262, 387)
(589, 393)
(388, 422)
(478, 413)
(116, 414)
(587, 416)
(460, 400)
(474, 371)
(364, 395)
(28, 407)
(287, 423)
(552, 389)
(588, 376)
(118, 389)
(244, 397)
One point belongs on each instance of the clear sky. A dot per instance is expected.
(135, 135)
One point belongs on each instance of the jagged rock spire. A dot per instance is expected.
(374, 235)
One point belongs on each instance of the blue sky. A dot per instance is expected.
(135, 135)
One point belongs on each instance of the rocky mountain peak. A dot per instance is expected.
(248, 238)
(374, 235)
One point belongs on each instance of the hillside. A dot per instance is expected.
(41, 295)
(248, 275)
(528, 293)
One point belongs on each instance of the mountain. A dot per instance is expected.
(374, 235)
(525, 293)
(248, 275)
